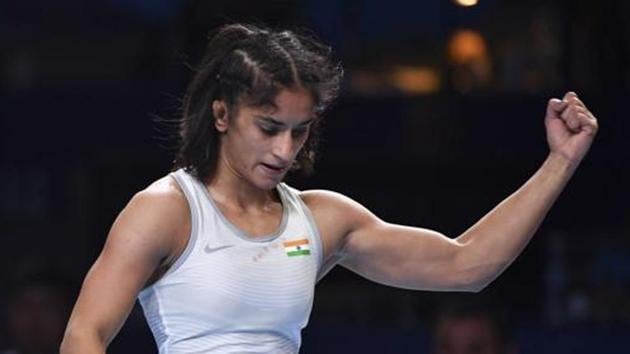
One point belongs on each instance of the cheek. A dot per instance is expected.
(255, 148)
(240, 151)
(248, 139)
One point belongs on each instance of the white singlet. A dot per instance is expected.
(230, 293)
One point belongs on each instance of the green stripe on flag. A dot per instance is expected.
(299, 253)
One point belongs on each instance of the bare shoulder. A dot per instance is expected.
(164, 188)
(328, 202)
(322, 198)
(162, 197)
(336, 215)
(146, 234)
(158, 214)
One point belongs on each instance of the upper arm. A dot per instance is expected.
(143, 235)
(401, 256)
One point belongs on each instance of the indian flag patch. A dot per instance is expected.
(297, 247)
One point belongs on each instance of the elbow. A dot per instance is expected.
(473, 274)
(80, 341)
(477, 282)
(477, 288)
(71, 342)
(68, 343)
(66, 346)
(471, 285)
(475, 279)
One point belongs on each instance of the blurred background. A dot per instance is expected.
(440, 118)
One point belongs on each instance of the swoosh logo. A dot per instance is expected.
(209, 249)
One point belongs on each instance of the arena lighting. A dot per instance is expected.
(466, 3)
(415, 80)
(466, 46)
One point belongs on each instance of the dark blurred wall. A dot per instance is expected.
(88, 88)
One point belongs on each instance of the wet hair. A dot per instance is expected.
(249, 65)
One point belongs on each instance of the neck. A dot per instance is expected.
(230, 188)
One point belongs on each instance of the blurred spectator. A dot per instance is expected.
(470, 325)
(38, 306)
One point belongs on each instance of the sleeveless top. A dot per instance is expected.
(230, 293)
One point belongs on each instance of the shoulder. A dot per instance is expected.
(325, 199)
(158, 214)
(161, 198)
(330, 207)
(162, 194)
(331, 201)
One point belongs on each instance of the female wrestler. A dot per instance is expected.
(224, 257)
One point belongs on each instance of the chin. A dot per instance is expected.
(266, 183)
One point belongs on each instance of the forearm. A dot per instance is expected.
(496, 240)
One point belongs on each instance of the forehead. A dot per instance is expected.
(289, 106)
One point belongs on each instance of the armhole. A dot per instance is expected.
(312, 226)
(194, 227)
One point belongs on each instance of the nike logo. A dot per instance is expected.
(209, 249)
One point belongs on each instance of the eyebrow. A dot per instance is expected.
(278, 123)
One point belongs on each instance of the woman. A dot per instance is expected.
(224, 256)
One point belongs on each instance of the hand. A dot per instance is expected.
(571, 127)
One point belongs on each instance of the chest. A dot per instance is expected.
(270, 284)
(255, 224)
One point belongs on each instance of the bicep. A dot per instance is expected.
(396, 255)
(402, 256)
(135, 246)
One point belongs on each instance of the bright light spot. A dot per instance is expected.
(471, 65)
(466, 3)
(466, 46)
(416, 80)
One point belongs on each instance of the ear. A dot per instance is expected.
(220, 113)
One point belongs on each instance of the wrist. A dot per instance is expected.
(561, 164)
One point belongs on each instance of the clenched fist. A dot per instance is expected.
(571, 127)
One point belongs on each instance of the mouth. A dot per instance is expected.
(274, 169)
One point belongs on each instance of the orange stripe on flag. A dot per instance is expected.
(295, 243)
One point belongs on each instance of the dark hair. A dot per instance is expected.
(247, 64)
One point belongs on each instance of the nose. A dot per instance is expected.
(283, 146)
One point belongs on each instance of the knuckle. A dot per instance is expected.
(566, 113)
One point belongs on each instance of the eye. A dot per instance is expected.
(268, 129)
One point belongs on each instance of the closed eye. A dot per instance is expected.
(269, 129)
(270, 126)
